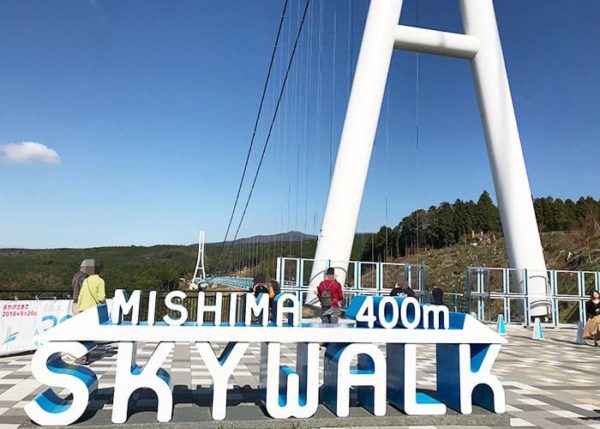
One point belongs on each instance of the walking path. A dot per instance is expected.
(549, 384)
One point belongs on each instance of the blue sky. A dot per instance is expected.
(149, 108)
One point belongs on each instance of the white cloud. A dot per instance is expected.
(27, 152)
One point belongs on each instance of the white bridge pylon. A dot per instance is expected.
(199, 271)
(481, 45)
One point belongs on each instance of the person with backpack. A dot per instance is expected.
(260, 285)
(330, 294)
(274, 290)
(399, 288)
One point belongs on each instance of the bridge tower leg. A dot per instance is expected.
(480, 44)
(358, 134)
(521, 235)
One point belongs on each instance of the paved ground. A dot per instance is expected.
(549, 384)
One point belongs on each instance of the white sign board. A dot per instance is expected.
(465, 348)
(21, 321)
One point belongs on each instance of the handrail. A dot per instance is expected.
(293, 271)
(484, 284)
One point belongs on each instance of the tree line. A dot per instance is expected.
(164, 267)
(470, 222)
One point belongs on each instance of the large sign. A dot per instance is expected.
(22, 321)
(465, 351)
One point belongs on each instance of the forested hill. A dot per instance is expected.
(468, 222)
(447, 238)
(291, 236)
(157, 267)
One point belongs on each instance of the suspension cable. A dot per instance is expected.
(318, 116)
(387, 166)
(333, 75)
(417, 131)
(307, 139)
(260, 107)
(281, 92)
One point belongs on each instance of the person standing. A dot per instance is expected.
(92, 291)
(92, 294)
(260, 285)
(437, 294)
(592, 310)
(259, 288)
(399, 288)
(330, 294)
(274, 290)
(409, 292)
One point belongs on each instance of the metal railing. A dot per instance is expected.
(489, 291)
(23, 294)
(367, 277)
(492, 291)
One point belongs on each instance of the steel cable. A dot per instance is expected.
(268, 138)
(262, 99)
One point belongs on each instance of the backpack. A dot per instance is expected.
(326, 298)
(260, 288)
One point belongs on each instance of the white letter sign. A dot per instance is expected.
(466, 350)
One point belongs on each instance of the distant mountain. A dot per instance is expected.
(292, 236)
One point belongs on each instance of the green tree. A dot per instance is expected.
(488, 216)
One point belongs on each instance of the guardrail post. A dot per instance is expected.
(300, 283)
(582, 297)
(468, 290)
(421, 284)
(278, 272)
(554, 297)
(356, 275)
(526, 288)
(298, 272)
(506, 291)
(378, 276)
(480, 303)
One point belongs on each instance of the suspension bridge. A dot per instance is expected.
(298, 131)
(328, 114)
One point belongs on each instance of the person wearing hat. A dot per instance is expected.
(92, 291)
(330, 294)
